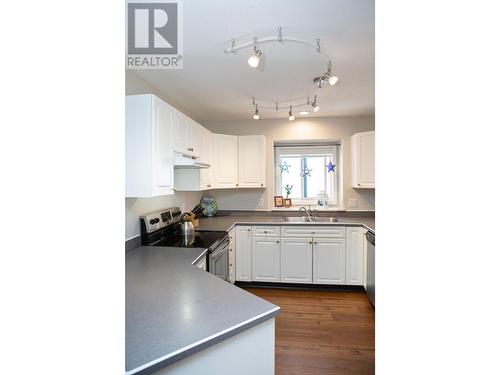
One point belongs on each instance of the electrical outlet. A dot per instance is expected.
(261, 202)
(352, 203)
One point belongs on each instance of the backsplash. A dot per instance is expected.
(135, 207)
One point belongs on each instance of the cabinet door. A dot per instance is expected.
(181, 132)
(206, 157)
(266, 259)
(232, 257)
(163, 154)
(354, 265)
(328, 261)
(252, 161)
(243, 253)
(363, 160)
(225, 161)
(296, 260)
(195, 139)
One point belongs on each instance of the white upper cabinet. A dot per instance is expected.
(363, 160)
(252, 161)
(195, 139)
(206, 157)
(225, 160)
(354, 264)
(328, 261)
(181, 130)
(296, 260)
(266, 259)
(148, 146)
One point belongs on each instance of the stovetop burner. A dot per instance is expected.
(198, 239)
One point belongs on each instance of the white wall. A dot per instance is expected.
(134, 207)
(331, 128)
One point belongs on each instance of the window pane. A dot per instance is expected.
(316, 182)
(292, 177)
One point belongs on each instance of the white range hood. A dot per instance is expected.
(188, 161)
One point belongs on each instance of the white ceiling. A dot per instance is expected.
(214, 86)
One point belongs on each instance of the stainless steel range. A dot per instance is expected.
(161, 228)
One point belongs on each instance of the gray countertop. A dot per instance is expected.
(174, 309)
(224, 223)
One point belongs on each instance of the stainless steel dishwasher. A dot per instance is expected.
(370, 266)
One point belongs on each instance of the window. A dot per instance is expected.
(304, 172)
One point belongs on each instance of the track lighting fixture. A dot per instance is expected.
(291, 117)
(254, 60)
(257, 60)
(315, 105)
(256, 114)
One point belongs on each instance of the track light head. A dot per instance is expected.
(315, 105)
(291, 117)
(256, 114)
(254, 60)
(332, 80)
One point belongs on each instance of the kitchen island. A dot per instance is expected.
(176, 313)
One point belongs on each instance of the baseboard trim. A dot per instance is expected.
(255, 284)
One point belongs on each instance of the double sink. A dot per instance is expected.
(311, 219)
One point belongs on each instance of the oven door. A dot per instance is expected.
(219, 260)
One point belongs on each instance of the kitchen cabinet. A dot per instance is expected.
(195, 140)
(328, 261)
(187, 135)
(354, 265)
(181, 130)
(243, 236)
(363, 160)
(266, 259)
(252, 161)
(225, 159)
(232, 258)
(206, 157)
(148, 146)
(296, 260)
(197, 179)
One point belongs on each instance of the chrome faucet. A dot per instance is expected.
(309, 212)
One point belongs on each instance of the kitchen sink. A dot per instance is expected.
(305, 219)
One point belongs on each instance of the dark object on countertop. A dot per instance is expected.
(198, 210)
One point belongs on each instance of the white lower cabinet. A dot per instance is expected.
(334, 255)
(266, 259)
(328, 261)
(232, 257)
(354, 264)
(243, 249)
(296, 260)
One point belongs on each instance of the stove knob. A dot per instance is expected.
(152, 221)
(157, 221)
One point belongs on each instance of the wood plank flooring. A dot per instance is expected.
(322, 332)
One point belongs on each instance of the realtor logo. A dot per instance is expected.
(154, 35)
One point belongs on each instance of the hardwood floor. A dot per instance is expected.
(322, 332)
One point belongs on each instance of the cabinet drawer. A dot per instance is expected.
(266, 230)
(312, 231)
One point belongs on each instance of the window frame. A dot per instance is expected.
(304, 151)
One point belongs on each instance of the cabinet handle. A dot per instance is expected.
(208, 185)
(265, 231)
(236, 184)
(261, 184)
(277, 242)
(249, 230)
(315, 243)
(310, 242)
(190, 149)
